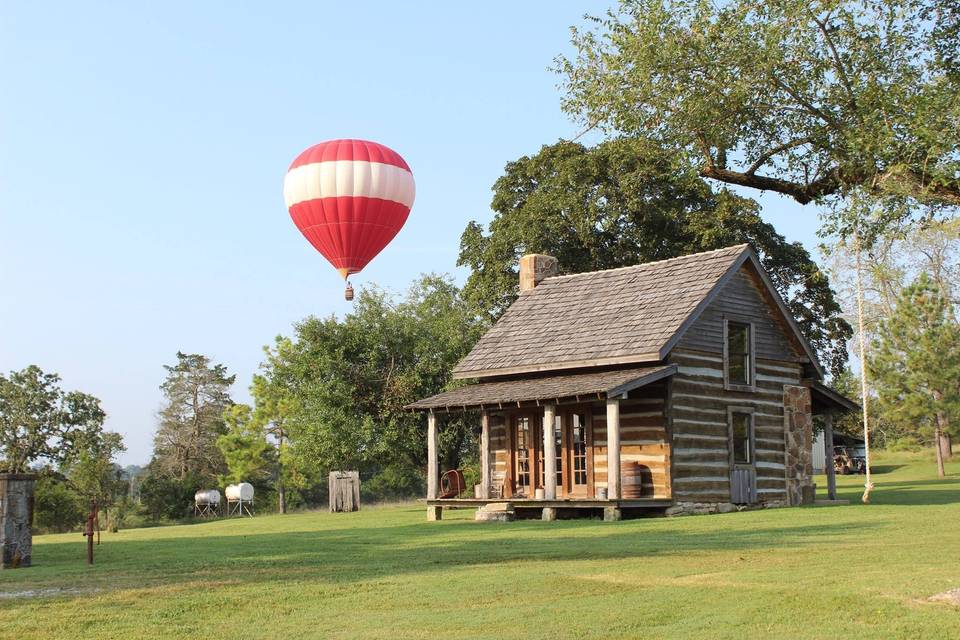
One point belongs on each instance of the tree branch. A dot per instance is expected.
(775, 151)
(802, 193)
(838, 65)
(823, 115)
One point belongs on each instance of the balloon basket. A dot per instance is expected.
(348, 292)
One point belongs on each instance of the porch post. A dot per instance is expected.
(432, 456)
(613, 448)
(828, 456)
(484, 454)
(549, 453)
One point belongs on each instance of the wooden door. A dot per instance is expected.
(577, 453)
(743, 471)
(526, 453)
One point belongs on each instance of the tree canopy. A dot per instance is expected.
(348, 380)
(804, 98)
(41, 422)
(627, 201)
(196, 394)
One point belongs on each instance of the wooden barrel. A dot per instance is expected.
(634, 475)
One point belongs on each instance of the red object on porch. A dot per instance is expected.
(452, 484)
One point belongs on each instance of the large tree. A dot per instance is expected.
(627, 201)
(347, 381)
(41, 422)
(804, 98)
(916, 362)
(196, 394)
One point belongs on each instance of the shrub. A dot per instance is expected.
(165, 497)
(905, 443)
(57, 507)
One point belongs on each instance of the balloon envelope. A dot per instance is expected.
(349, 198)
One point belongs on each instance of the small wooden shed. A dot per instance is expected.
(683, 385)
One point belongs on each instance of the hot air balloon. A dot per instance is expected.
(349, 198)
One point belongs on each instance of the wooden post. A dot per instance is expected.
(484, 454)
(432, 468)
(828, 456)
(549, 453)
(613, 448)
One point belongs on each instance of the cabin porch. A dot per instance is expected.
(533, 508)
(607, 453)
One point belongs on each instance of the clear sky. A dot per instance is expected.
(143, 148)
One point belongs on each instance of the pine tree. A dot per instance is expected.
(196, 396)
(916, 362)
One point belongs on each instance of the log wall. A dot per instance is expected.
(701, 441)
(643, 439)
(700, 401)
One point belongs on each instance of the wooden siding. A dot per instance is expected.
(699, 424)
(744, 298)
(643, 439)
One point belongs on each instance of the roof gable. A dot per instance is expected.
(628, 315)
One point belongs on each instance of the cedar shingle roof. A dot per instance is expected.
(617, 316)
(499, 393)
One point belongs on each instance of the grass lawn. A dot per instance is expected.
(817, 572)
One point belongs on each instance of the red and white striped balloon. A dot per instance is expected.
(349, 198)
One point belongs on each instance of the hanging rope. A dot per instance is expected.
(868, 485)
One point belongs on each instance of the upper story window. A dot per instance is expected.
(739, 359)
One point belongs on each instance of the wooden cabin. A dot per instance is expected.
(683, 386)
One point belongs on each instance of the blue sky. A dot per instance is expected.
(142, 152)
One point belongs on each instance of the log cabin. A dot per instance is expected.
(680, 386)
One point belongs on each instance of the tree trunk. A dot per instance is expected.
(281, 490)
(946, 445)
(937, 435)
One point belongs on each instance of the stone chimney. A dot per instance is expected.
(534, 268)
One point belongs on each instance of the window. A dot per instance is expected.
(741, 427)
(739, 361)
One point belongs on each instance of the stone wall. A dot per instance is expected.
(16, 520)
(798, 434)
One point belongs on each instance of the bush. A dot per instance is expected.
(164, 497)
(57, 508)
(395, 482)
(905, 443)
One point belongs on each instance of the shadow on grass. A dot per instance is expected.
(371, 552)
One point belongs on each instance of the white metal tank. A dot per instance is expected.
(207, 496)
(242, 491)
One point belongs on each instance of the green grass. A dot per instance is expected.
(817, 572)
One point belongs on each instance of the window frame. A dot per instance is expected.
(751, 355)
(752, 439)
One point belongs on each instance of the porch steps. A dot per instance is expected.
(495, 512)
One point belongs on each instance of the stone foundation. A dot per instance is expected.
(704, 508)
(16, 519)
